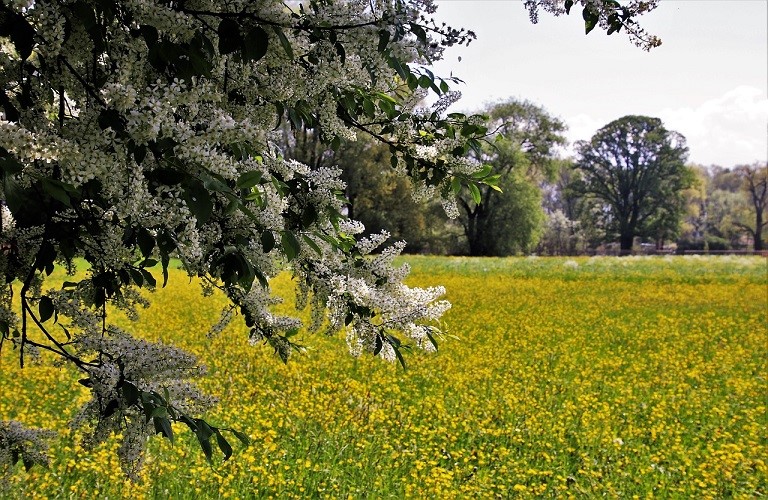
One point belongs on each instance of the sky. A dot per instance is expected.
(708, 80)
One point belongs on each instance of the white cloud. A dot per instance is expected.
(727, 130)
(583, 126)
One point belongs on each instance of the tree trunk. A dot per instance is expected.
(476, 224)
(625, 242)
(758, 245)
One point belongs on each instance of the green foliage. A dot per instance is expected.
(727, 204)
(634, 170)
(507, 218)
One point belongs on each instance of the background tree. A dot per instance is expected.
(523, 152)
(722, 212)
(696, 219)
(371, 186)
(636, 169)
(565, 233)
(755, 186)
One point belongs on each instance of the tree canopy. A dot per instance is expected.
(506, 219)
(754, 180)
(635, 169)
(134, 132)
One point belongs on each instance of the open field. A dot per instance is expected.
(585, 377)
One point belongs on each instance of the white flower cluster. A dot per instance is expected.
(370, 301)
(149, 366)
(7, 224)
(20, 443)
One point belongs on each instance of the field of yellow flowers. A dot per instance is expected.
(559, 377)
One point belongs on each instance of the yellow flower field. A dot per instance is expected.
(636, 377)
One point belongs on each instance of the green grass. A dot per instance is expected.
(584, 377)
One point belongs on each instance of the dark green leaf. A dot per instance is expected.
(149, 33)
(399, 355)
(110, 118)
(9, 165)
(45, 308)
(199, 201)
(421, 35)
(412, 81)
(203, 428)
(378, 344)
(267, 240)
(148, 278)
(205, 445)
(484, 172)
(130, 392)
(190, 423)
(166, 243)
(309, 241)
(224, 445)
(230, 39)
(146, 242)
(590, 18)
(46, 255)
(204, 432)
(340, 52)
(455, 185)
(308, 216)
(21, 32)
(383, 40)
(369, 108)
(290, 245)
(66, 332)
(242, 437)
(286, 44)
(431, 338)
(249, 179)
(166, 259)
(163, 426)
(475, 192)
(56, 191)
(158, 411)
(111, 408)
(256, 44)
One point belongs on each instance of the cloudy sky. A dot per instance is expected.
(707, 81)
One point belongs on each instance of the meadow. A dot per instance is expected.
(583, 377)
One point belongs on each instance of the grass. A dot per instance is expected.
(560, 377)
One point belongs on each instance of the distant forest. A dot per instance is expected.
(549, 204)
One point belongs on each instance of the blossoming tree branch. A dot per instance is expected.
(137, 131)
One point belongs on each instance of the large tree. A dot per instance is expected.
(133, 132)
(755, 187)
(635, 168)
(508, 219)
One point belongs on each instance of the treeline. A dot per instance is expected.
(628, 189)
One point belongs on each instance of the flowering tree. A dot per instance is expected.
(137, 131)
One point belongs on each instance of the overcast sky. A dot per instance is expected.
(708, 80)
